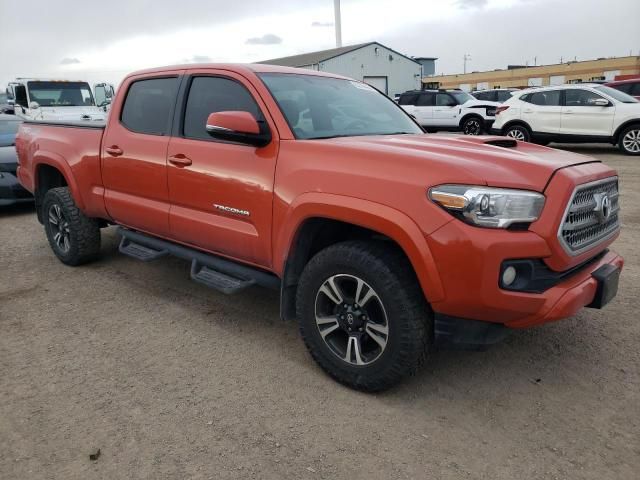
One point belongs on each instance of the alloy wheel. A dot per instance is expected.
(351, 319)
(631, 141)
(516, 134)
(59, 228)
(472, 127)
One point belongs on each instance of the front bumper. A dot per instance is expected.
(11, 192)
(469, 262)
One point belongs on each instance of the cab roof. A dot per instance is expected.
(238, 67)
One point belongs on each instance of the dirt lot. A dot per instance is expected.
(172, 380)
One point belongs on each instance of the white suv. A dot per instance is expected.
(578, 113)
(452, 110)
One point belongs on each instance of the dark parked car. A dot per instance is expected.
(630, 86)
(496, 95)
(10, 190)
(5, 106)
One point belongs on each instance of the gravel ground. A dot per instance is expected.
(172, 380)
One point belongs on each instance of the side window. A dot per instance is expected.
(503, 95)
(481, 95)
(445, 100)
(214, 94)
(148, 105)
(635, 89)
(21, 95)
(548, 98)
(579, 98)
(408, 99)
(426, 100)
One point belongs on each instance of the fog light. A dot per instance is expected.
(508, 276)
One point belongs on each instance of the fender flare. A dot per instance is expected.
(364, 213)
(58, 162)
(620, 129)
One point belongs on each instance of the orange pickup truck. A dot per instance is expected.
(382, 240)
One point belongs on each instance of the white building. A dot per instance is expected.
(387, 70)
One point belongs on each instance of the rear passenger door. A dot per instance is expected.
(221, 192)
(134, 153)
(424, 108)
(446, 110)
(542, 110)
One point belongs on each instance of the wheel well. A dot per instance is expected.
(516, 122)
(616, 135)
(313, 235)
(47, 177)
(469, 115)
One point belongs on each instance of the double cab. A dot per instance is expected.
(382, 241)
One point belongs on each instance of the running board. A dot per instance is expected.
(216, 272)
(140, 252)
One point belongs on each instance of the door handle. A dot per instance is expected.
(568, 111)
(180, 160)
(527, 111)
(114, 151)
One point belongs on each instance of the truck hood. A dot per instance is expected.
(493, 161)
(70, 113)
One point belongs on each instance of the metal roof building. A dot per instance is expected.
(380, 66)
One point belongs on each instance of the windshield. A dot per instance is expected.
(617, 94)
(325, 107)
(462, 97)
(60, 94)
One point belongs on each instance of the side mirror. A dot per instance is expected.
(236, 126)
(34, 105)
(600, 102)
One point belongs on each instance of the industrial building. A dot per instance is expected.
(380, 66)
(536, 76)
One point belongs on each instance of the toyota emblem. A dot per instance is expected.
(603, 207)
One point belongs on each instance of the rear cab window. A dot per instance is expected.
(148, 105)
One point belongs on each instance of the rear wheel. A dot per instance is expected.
(629, 141)
(518, 132)
(472, 126)
(73, 237)
(362, 315)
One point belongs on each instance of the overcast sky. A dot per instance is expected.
(104, 40)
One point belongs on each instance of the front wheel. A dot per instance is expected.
(73, 237)
(472, 126)
(629, 141)
(518, 132)
(362, 315)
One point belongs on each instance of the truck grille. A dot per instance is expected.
(591, 217)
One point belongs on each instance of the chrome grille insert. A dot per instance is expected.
(591, 216)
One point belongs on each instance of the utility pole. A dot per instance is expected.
(466, 57)
(338, 22)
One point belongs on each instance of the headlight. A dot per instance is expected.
(488, 207)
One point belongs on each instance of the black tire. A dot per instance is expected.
(629, 140)
(387, 272)
(472, 125)
(518, 132)
(82, 233)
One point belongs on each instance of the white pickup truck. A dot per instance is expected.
(59, 100)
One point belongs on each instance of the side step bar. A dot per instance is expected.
(213, 271)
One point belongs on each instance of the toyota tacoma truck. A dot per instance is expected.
(383, 241)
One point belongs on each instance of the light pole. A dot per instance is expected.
(338, 22)
(466, 57)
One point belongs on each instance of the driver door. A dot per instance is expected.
(221, 192)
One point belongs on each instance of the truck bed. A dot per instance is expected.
(72, 148)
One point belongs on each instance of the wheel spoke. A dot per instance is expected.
(362, 300)
(53, 220)
(56, 208)
(66, 242)
(58, 239)
(374, 330)
(353, 351)
(329, 330)
(332, 291)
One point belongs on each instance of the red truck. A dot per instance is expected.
(382, 240)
